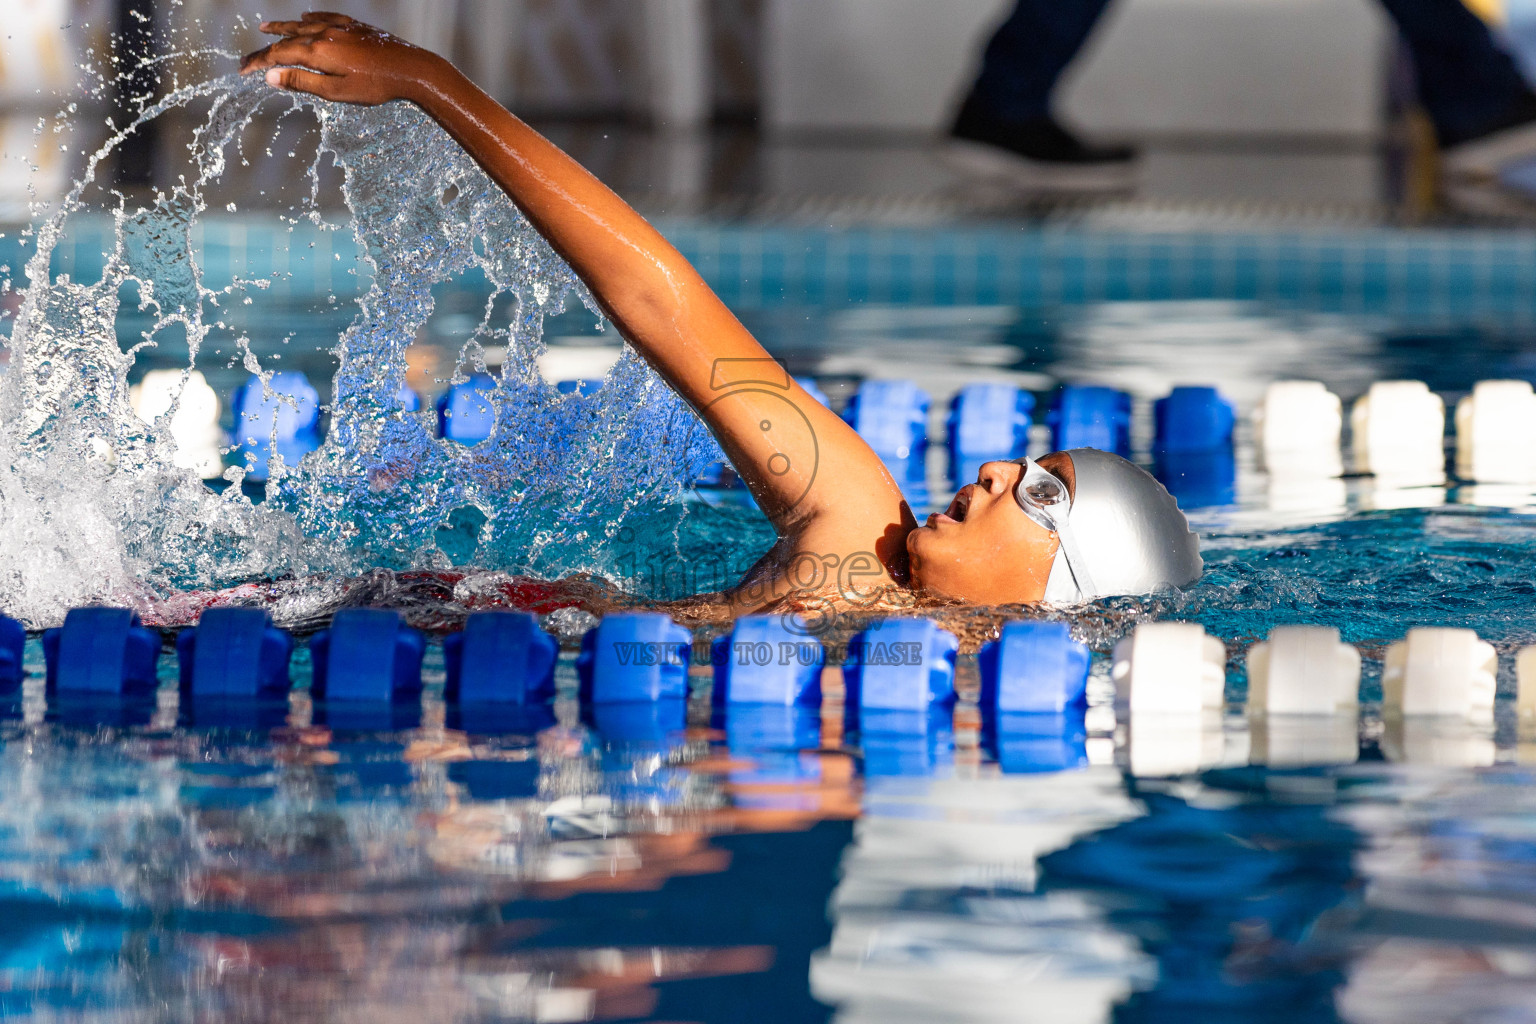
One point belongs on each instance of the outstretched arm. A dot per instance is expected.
(803, 464)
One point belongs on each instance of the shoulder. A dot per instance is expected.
(821, 563)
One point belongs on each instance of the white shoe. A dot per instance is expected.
(998, 164)
(1488, 157)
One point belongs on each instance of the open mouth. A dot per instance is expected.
(957, 511)
(961, 506)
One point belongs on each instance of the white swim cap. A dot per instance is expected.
(1127, 532)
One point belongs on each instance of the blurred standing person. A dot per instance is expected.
(1483, 110)
(1005, 125)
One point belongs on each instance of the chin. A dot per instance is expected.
(956, 594)
(989, 591)
(947, 565)
(940, 585)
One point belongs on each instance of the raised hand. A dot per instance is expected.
(338, 58)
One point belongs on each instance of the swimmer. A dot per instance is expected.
(1067, 528)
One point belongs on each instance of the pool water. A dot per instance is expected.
(248, 863)
(166, 861)
(186, 863)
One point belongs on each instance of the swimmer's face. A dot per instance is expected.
(983, 549)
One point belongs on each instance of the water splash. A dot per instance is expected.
(560, 474)
(94, 508)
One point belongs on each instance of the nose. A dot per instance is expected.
(997, 477)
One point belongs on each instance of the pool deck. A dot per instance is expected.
(734, 172)
(834, 180)
(910, 180)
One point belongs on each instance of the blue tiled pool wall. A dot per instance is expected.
(1407, 272)
(1400, 272)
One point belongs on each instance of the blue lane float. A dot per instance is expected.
(764, 661)
(990, 421)
(1192, 419)
(223, 785)
(1037, 743)
(500, 658)
(368, 764)
(719, 473)
(234, 652)
(233, 714)
(465, 412)
(964, 469)
(650, 724)
(901, 665)
(634, 656)
(409, 400)
(771, 739)
(13, 646)
(1091, 417)
(911, 475)
(891, 416)
(367, 655)
(1033, 667)
(101, 651)
(1198, 479)
(281, 417)
(906, 744)
(499, 719)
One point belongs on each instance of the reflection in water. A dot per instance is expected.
(231, 863)
(244, 872)
(1303, 741)
(1438, 740)
(939, 915)
(1163, 744)
(1308, 887)
(1236, 892)
(1446, 932)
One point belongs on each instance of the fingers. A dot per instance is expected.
(251, 61)
(299, 80)
(294, 28)
(329, 18)
(312, 23)
(285, 51)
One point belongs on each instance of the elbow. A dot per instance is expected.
(646, 310)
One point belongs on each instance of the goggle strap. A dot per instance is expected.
(1076, 564)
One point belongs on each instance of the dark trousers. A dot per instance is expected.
(1465, 81)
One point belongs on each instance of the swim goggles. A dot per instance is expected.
(1044, 497)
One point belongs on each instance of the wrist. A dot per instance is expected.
(437, 86)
